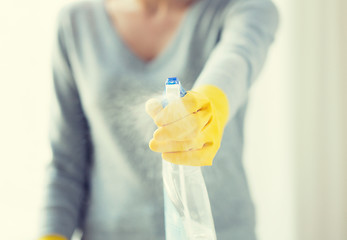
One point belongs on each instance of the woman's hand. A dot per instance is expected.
(190, 129)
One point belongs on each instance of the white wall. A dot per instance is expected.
(25, 43)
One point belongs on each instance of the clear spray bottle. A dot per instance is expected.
(188, 213)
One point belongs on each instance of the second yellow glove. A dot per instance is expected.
(53, 237)
(190, 129)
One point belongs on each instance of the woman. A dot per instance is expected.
(111, 56)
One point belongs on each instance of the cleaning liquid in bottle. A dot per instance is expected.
(188, 213)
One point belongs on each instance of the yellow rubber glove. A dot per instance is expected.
(190, 129)
(53, 237)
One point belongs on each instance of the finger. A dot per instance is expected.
(175, 146)
(199, 157)
(176, 110)
(153, 107)
(184, 129)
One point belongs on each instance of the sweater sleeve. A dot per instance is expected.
(248, 30)
(66, 188)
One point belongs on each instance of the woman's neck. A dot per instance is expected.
(151, 7)
(164, 5)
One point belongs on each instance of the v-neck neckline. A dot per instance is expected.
(164, 54)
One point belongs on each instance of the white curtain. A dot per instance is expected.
(269, 149)
(296, 154)
(320, 118)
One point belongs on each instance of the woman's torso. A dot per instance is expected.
(126, 199)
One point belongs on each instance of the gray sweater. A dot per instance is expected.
(103, 178)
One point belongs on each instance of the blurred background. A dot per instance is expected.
(296, 129)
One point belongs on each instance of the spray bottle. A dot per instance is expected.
(188, 213)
